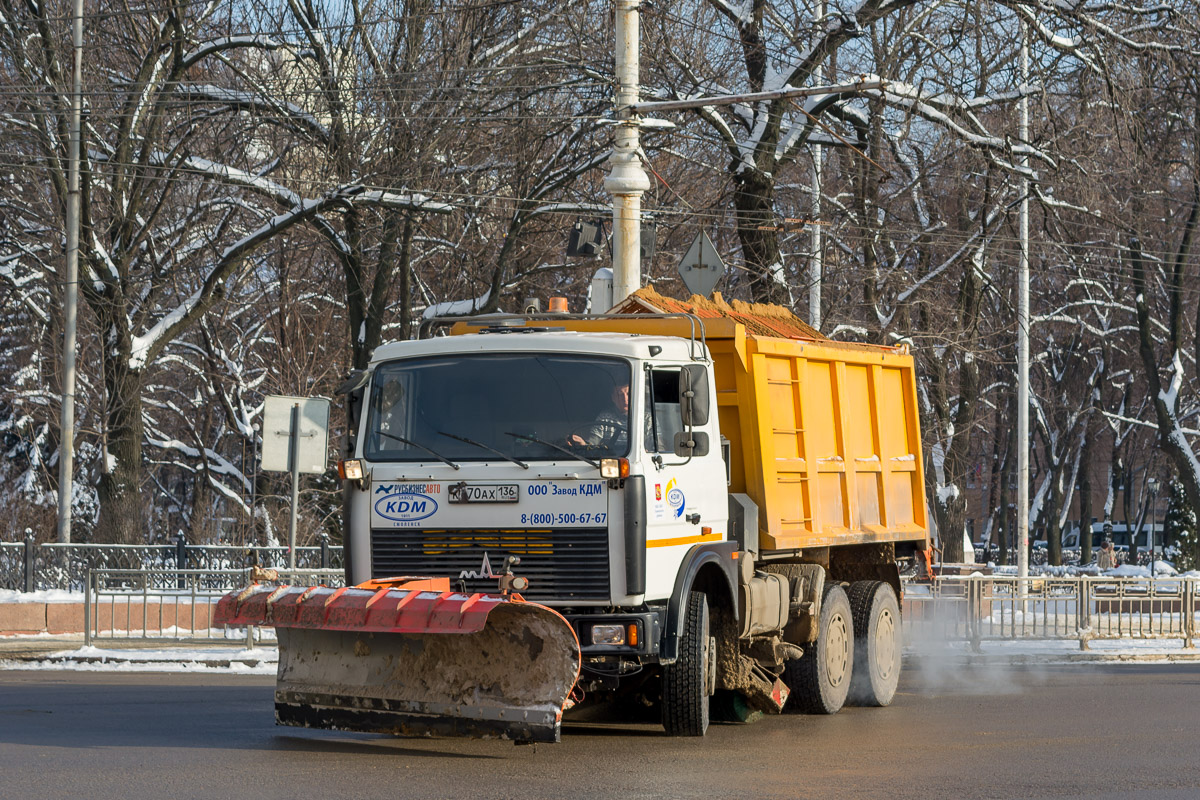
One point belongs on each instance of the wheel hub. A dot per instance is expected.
(885, 644)
(837, 655)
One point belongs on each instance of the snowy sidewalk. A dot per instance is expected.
(69, 653)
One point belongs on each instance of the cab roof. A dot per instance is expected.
(526, 340)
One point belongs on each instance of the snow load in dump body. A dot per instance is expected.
(824, 436)
(414, 661)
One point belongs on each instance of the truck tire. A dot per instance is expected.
(820, 679)
(685, 684)
(877, 643)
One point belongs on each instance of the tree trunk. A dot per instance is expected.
(122, 515)
(1008, 485)
(1054, 514)
(1171, 439)
(405, 268)
(1085, 501)
(754, 199)
(951, 513)
(357, 302)
(1004, 529)
(995, 498)
(1127, 510)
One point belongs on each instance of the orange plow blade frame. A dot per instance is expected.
(418, 660)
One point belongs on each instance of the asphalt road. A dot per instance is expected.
(1090, 731)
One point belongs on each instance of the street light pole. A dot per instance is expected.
(626, 180)
(1023, 333)
(66, 445)
(817, 259)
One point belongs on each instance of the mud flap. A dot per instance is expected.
(416, 663)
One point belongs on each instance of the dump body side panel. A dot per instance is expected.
(830, 439)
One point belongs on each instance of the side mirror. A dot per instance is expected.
(355, 389)
(693, 394)
(691, 444)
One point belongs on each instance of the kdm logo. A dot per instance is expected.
(675, 498)
(406, 506)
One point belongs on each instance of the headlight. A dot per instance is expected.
(608, 634)
(350, 470)
(614, 468)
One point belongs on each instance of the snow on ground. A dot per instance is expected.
(43, 596)
(232, 635)
(110, 597)
(1124, 571)
(1142, 649)
(258, 661)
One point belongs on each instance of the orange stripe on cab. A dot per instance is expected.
(704, 537)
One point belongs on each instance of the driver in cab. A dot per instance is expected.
(611, 428)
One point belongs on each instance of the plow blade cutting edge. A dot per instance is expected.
(414, 661)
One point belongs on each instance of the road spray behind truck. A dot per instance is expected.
(543, 510)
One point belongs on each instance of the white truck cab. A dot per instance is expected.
(567, 451)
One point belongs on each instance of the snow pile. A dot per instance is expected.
(43, 596)
(1161, 568)
(1045, 570)
(1132, 571)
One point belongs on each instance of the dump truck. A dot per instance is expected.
(708, 505)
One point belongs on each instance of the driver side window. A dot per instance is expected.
(665, 419)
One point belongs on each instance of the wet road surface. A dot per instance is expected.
(1092, 731)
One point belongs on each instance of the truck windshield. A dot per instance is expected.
(475, 407)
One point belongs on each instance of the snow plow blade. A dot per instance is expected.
(414, 661)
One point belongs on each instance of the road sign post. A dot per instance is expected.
(295, 440)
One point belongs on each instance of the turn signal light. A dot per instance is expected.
(614, 468)
(631, 634)
(350, 470)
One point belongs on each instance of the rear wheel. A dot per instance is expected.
(877, 643)
(687, 684)
(820, 679)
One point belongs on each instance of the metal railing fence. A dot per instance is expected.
(980, 608)
(28, 566)
(12, 566)
(173, 605)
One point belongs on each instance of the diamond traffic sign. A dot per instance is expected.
(701, 267)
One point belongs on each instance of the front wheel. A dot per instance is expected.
(687, 684)
(820, 679)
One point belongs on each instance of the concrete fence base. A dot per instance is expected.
(135, 617)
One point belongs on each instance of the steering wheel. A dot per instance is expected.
(609, 431)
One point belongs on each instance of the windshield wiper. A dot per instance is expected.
(411, 443)
(568, 451)
(503, 455)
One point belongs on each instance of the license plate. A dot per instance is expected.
(489, 493)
